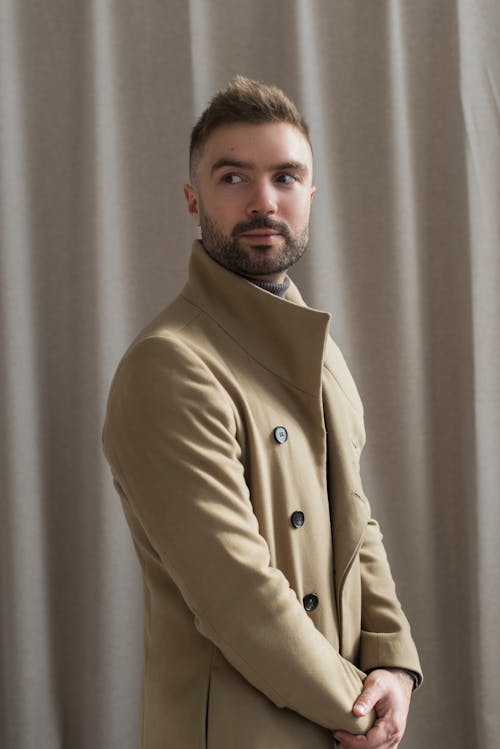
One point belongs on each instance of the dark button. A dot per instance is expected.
(297, 519)
(280, 435)
(310, 601)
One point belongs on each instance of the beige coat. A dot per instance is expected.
(211, 490)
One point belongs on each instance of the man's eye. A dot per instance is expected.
(286, 179)
(232, 179)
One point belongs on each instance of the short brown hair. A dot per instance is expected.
(247, 101)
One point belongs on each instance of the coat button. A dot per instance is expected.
(280, 435)
(310, 601)
(297, 519)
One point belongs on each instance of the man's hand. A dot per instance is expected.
(389, 692)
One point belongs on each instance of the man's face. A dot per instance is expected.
(252, 196)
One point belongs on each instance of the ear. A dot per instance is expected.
(192, 203)
(313, 192)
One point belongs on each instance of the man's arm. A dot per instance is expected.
(388, 652)
(386, 640)
(170, 437)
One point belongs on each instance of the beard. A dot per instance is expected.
(256, 260)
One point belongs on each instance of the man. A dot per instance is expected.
(234, 432)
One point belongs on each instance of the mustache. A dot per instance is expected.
(261, 222)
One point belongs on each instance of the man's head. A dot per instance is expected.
(251, 179)
(245, 102)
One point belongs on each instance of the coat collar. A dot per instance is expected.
(284, 335)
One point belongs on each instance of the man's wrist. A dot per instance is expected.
(412, 675)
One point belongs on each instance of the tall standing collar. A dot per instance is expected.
(284, 335)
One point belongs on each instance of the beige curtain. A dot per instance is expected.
(97, 98)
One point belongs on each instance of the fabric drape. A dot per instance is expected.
(96, 103)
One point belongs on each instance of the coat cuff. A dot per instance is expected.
(389, 650)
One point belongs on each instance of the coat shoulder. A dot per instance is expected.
(162, 362)
(164, 338)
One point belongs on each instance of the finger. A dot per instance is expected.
(378, 737)
(350, 740)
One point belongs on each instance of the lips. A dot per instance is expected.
(260, 234)
(261, 229)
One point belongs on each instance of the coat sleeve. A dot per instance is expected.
(170, 438)
(385, 633)
(386, 640)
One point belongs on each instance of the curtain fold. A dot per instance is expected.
(96, 104)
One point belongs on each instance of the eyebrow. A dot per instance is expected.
(297, 166)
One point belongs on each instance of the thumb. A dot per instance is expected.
(368, 698)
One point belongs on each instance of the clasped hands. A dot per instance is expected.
(388, 692)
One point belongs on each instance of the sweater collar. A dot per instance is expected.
(284, 335)
(278, 289)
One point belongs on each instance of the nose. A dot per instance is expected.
(263, 199)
